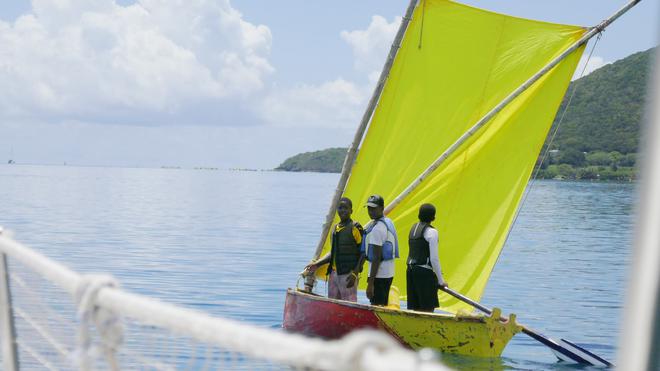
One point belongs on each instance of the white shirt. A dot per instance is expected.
(378, 236)
(431, 236)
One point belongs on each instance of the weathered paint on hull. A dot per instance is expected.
(472, 335)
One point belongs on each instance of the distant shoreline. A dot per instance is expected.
(562, 173)
(163, 167)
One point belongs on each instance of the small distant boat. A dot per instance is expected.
(11, 157)
(458, 119)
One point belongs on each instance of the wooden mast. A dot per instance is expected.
(349, 160)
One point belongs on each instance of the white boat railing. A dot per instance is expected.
(640, 340)
(100, 326)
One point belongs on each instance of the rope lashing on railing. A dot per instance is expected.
(108, 323)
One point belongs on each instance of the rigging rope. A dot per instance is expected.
(421, 27)
(552, 138)
(563, 114)
(108, 323)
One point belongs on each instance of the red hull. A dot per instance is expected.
(322, 317)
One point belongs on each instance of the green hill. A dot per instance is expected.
(599, 136)
(607, 107)
(326, 161)
(597, 139)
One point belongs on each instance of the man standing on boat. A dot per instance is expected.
(345, 256)
(382, 248)
(424, 275)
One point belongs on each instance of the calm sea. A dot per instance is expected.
(230, 243)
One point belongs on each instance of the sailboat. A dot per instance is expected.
(458, 118)
(11, 157)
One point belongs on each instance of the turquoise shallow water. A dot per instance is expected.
(230, 243)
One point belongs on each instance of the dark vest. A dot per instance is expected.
(345, 251)
(418, 253)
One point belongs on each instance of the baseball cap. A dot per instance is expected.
(375, 201)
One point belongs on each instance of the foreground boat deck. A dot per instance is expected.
(466, 334)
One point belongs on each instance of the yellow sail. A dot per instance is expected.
(455, 63)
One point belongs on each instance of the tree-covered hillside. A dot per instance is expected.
(599, 135)
(326, 161)
(607, 108)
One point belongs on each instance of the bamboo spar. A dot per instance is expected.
(351, 154)
(486, 118)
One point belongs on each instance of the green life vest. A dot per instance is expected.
(345, 251)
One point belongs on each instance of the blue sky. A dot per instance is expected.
(216, 83)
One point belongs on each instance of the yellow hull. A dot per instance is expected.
(472, 335)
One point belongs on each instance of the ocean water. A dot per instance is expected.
(230, 243)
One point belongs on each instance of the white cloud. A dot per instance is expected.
(337, 103)
(370, 46)
(160, 62)
(595, 62)
(153, 61)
